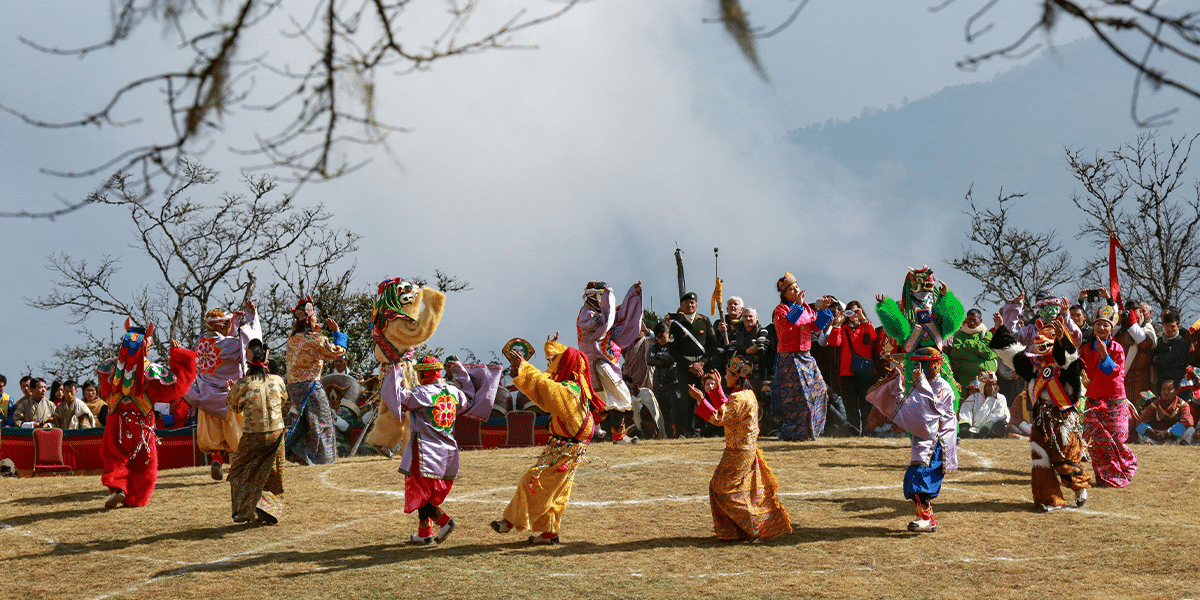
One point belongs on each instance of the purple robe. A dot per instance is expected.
(927, 412)
(434, 408)
(619, 325)
(220, 358)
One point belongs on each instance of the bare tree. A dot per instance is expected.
(1138, 32)
(199, 254)
(1138, 194)
(1009, 261)
(323, 86)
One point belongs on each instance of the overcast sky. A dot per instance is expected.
(634, 126)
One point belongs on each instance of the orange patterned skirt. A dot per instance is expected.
(743, 500)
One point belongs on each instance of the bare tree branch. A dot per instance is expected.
(1009, 261)
(321, 104)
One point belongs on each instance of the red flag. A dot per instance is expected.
(1113, 286)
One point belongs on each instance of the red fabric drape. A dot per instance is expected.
(1113, 286)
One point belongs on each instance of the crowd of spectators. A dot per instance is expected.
(67, 405)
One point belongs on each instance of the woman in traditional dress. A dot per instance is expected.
(565, 391)
(798, 393)
(1106, 416)
(742, 493)
(311, 439)
(256, 467)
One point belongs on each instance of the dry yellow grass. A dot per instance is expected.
(639, 529)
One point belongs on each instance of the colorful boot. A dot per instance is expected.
(424, 534)
(925, 522)
(445, 527)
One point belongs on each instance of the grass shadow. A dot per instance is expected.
(362, 557)
(29, 519)
(879, 509)
(77, 548)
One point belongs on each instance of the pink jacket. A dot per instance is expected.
(1107, 375)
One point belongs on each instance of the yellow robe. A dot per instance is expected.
(544, 489)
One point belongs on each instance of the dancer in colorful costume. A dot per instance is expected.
(926, 411)
(606, 329)
(430, 462)
(256, 465)
(926, 313)
(798, 393)
(1052, 374)
(311, 439)
(742, 493)
(1106, 412)
(565, 391)
(220, 357)
(404, 316)
(131, 384)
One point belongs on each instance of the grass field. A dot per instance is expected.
(639, 529)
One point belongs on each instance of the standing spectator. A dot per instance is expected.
(969, 352)
(665, 378)
(752, 342)
(1148, 321)
(72, 413)
(1079, 318)
(7, 404)
(1106, 418)
(36, 410)
(798, 393)
(725, 331)
(693, 344)
(1167, 419)
(1171, 353)
(1137, 340)
(853, 334)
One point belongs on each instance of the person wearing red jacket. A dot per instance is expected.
(1106, 416)
(131, 385)
(853, 334)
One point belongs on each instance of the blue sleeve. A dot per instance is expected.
(795, 313)
(1108, 365)
(1177, 429)
(824, 316)
(341, 339)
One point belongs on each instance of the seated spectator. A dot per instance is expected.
(1167, 419)
(7, 404)
(91, 397)
(1020, 420)
(72, 413)
(984, 413)
(1171, 353)
(56, 393)
(36, 410)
